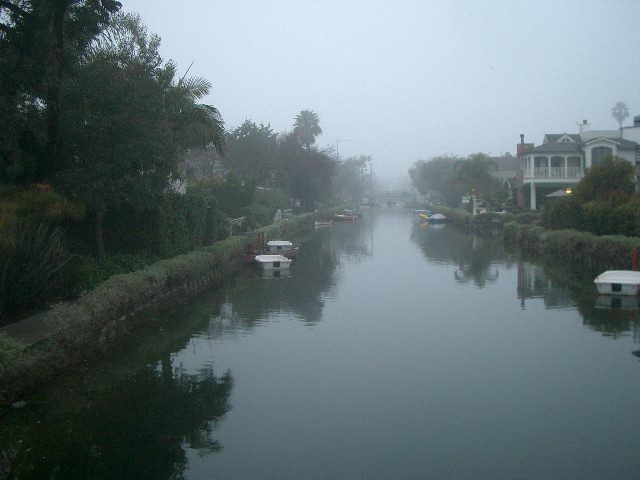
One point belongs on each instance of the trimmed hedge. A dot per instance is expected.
(572, 246)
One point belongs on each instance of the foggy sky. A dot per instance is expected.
(407, 80)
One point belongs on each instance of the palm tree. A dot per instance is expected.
(620, 112)
(307, 127)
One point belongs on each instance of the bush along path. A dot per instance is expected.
(35, 350)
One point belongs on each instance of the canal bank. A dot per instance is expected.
(522, 231)
(39, 348)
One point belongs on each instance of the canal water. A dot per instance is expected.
(392, 350)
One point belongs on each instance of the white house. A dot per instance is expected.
(562, 159)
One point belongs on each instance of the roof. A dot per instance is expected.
(621, 142)
(554, 137)
(567, 147)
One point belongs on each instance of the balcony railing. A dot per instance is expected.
(554, 173)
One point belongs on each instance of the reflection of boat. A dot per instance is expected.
(276, 273)
(282, 247)
(618, 282)
(320, 224)
(273, 262)
(621, 302)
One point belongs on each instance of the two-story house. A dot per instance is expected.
(562, 159)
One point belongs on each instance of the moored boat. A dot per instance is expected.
(273, 262)
(282, 247)
(618, 282)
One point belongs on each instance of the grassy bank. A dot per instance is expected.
(97, 319)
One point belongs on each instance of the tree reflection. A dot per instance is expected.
(138, 428)
(302, 292)
(570, 285)
(476, 257)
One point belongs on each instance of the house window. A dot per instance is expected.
(637, 154)
(598, 154)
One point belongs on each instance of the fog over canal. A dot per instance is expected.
(392, 350)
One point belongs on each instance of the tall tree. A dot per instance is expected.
(474, 174)
(620, 112)
(41, 41)
(251, 151)
(127, 124)
(437, 177)
(304, 174)
(306, 128)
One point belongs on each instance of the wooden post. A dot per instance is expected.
(634, 259)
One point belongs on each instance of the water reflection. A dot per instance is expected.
(132, 415)
(302, 290)
(477, 258)
(573, 287)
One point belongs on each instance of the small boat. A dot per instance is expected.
(618, 282)
(321, 224)
(273, 262)
(282, 247)
(345, 217)
(437, 218)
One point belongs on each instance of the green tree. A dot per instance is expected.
(612, 179)
(436, 176)
(251, 152)
(126, 122)
(41, 42)
(474, 173)
(351, 181)
(306, 128)
(304, 174)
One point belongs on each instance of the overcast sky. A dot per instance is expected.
(408, 80)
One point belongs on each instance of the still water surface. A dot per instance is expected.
(392, 351)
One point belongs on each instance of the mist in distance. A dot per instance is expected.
(404, 81)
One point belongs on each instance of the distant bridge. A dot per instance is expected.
(396, 197)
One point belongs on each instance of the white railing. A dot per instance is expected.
(554, 172)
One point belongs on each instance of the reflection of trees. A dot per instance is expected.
(574, 285)
(137, 428)
(475, 257)
(312, 277)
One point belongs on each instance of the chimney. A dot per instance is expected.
(584, 127)
(522, 138)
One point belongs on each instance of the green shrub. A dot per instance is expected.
(563, 213)
(31, 260)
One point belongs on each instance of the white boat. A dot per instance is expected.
(618, 282)
(282, 247)
(320, 224)
(273, 262)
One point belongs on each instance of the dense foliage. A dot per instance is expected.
(604, 202)
(97, 136)
(446, 179)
